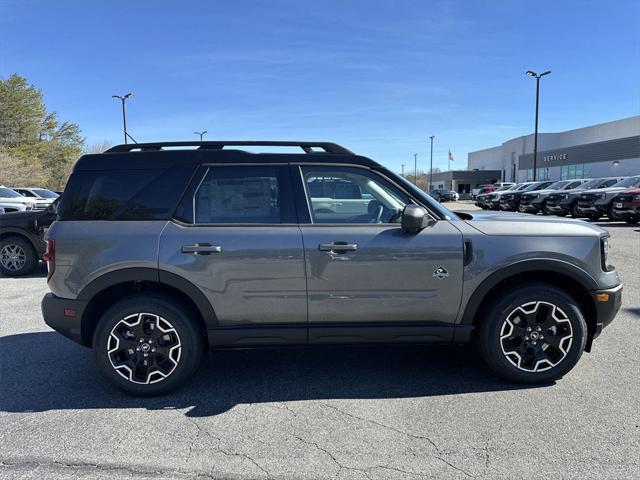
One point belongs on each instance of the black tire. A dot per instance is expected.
(632, 221)
(527, 361)
(15, 267)
(545, 209)
(594, 217)
(575, 213)
(611, 214)
(183, 348)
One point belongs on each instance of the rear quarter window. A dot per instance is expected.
(124, 194)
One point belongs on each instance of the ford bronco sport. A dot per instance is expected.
(163, 250)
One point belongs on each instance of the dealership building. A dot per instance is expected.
(603, 150)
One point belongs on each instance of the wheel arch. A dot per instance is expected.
(16, 232)
(572, 280)
(108, 288)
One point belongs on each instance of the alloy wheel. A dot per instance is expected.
(144, 348)
(13, 257)
(536, 336)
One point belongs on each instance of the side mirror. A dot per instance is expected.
(415, 218)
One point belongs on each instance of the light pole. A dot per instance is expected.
(431, 167)
(403, 169)
(123, 99)
(415, 169)
(201, 134)
(535, 135)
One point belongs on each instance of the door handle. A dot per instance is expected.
(201, 248)
(338, 247)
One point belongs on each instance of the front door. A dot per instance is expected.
(367, 279)
(240, 245)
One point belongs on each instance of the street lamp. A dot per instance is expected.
(403, 169)
(415, 169)
(123, 98)
(535, 136)
(201, 134)
(431, 167)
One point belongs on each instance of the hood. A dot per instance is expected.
(12, 218)
(522, 224)
(543, 192)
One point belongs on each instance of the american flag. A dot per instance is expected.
(451, 159)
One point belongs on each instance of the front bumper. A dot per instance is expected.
(509, 205)
(64, 316)
(529, 207)
(607, 304)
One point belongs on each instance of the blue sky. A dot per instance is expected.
(378, 77)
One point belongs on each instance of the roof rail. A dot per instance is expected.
(307, 147)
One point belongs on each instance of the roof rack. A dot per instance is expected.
(307, 147)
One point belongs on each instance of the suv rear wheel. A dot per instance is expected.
(535, 334)
(17, 256)
(147, 345)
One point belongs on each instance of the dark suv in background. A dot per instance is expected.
(598, 202)
(566, 203)
(22, 239)
(510, 201)
(160, 251)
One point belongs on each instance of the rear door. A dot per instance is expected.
(237, 240)
(367, 279)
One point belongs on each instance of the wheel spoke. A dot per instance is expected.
(536, 336)
(144, 348)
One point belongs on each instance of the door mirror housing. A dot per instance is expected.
(415, 218)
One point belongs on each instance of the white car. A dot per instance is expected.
(13, 198)
(43, 196)
(9, 195)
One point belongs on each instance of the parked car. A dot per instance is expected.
(535, 202)
(22, 239)
(8, 195)
(443, 195)
(487, 188)
(596, 203)
(160, 252)
(484, 200)
(626, 205)
(510, 201)
(564, 203)
(39, 193)
(12, 207)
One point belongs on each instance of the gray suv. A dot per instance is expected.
(163, 250)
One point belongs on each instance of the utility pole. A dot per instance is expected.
(415, 169)
(403, 169)
(431, 168)
(123, 99)
(535, 135)
(201, 134)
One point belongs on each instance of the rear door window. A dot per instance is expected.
(244, 195)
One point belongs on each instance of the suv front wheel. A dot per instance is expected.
(147, 345)
(535, 334)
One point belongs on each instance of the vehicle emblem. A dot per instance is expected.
(440, 273)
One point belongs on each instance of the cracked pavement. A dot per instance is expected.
(335, 412)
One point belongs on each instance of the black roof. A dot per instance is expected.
(163, 155)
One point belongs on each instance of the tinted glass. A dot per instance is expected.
(44, 193)
(25, 193)
(379, 200)
(628, 182)
(8, 193)
(244, 194)
(124, 194)
(558, 185)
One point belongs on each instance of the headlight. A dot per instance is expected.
(636, 198)
(564, 196)
(604, 252)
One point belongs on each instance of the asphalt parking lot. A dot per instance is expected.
(368, 412)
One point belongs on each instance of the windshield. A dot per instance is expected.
(558, 185)
(505, 187)
(44, 193)
(8, 193)
(590, 184)
(627, 182)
